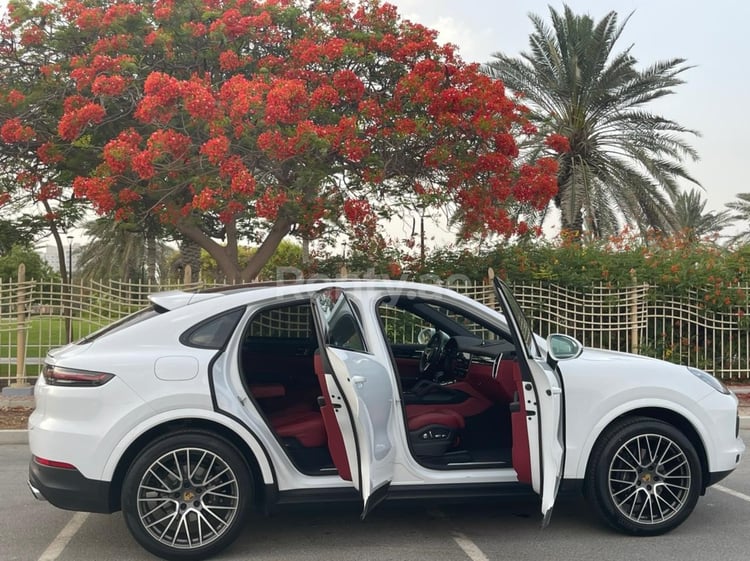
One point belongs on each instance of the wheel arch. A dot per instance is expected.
(178, 425)
(670, 417)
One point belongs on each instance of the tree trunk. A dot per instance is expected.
(226, 256)
(64, 273)
(150, 259)
(190, 254)
(281, 228)
(571, 213)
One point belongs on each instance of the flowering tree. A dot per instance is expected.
(232, 119)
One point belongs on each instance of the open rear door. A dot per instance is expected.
(359, 390)
(545, 415)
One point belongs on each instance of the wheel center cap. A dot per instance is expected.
(646, 478)
(188, 496)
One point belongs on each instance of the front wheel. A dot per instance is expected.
(645, 476)
(185, 496)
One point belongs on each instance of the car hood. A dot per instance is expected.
(601, 355)
(615, 361)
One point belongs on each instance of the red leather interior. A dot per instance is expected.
(267, 391)
(442, 417)
(306, 426)
(499, 389)
(334, 437)
(474, 404)
(520, 455)
(407, 367)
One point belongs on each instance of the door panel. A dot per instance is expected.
(543, 395)
(361, 394)
(368, 397)
(332, 401)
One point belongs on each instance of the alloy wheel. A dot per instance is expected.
(188, 498)
(649, 479)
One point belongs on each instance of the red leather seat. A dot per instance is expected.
(417, 418)
(305, 426)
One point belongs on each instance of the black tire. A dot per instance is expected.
(644, 476)
(186, 495)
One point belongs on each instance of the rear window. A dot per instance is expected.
(214, 332)
(127, 321)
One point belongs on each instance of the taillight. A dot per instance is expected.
(60, 376)
(53, 463)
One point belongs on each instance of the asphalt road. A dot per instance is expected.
(718, 529)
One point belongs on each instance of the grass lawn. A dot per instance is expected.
(42, 334)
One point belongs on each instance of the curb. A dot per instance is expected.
(18, 436)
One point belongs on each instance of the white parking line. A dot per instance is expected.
(469, 547)
(57, 546)
(732, 492)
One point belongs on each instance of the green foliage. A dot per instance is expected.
(288, 254)
(674, 264)
(21, 231)
(36, 268)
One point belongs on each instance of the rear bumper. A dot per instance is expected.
(68, 489)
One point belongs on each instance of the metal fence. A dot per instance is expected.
(38, 315)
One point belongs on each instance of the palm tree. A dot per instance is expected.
(121, 251)
(692, 218)
(624, 162)
(741, 210)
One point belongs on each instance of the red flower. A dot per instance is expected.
(558, 143)
(229, 61)
(216, 149)
(109, 85)
(357, 210)
(13, 130)
(15, 98)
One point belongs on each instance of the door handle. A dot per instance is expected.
(359, 380)
(555, 390)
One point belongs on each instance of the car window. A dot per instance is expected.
(287, 322)
(340, 322)
(468, 324)
(213, 333)
(127, 321)
(410, 322)
(403, 327)
(524, 327)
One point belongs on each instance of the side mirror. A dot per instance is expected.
(563, 347)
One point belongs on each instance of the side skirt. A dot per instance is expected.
(459, 492)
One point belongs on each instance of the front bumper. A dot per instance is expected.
(68, 489)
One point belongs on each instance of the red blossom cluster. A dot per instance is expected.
(236, 107)
(558, 142)
(13, 131)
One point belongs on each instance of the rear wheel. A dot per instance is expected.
(645, 476)
(186, 495)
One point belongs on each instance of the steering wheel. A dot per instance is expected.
(432, 354)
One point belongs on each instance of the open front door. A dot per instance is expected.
(359, 390)
(545, 405)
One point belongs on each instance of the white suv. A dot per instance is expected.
(191, 412)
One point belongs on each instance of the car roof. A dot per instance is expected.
(265, 290)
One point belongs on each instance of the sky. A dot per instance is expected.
(711, 35)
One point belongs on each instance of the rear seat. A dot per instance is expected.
(299, 419)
